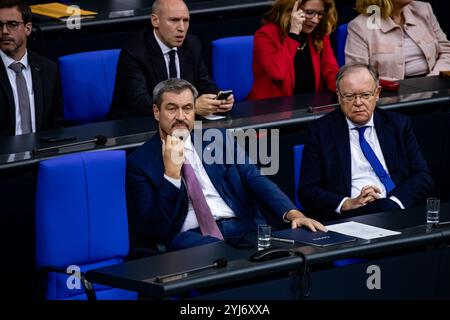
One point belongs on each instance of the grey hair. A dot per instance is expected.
(172, 85)
(352, 66)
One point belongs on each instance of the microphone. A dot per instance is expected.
(218, 263)
(99, 140)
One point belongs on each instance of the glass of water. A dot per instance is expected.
(264, 234)
(433, 205)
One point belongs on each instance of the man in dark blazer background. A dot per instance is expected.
(236, 195)
(361, 159)
(30, 98)
(148, 60)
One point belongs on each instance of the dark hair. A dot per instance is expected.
(350, 67)
(21, 5)
(172, 85)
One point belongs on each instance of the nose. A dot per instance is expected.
(182, 25)
(3, 28)
(180, 114)
(315, 19)
(358, 100)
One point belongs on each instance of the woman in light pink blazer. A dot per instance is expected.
(401, 39)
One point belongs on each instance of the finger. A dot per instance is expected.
(377, 190)
(320, 226)
(208, 96)
(295, 8)
(311, 226)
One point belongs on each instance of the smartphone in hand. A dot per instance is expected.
(223, 95)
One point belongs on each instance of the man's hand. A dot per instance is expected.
(173, 156)
(298, 220)
(226, 105)
(206, 104)
(367, 195)
(297, 18)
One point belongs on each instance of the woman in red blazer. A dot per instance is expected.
(292, 51)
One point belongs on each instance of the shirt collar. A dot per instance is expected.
(352, 125)
(7, 60)
(165, 49)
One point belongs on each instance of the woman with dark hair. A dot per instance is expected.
(292, 51)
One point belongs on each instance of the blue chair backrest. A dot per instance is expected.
(232, 59)
(81, 219)
(298, 151)
(87, 81)
(341, 38)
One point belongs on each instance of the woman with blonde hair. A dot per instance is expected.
(292, 52)
(399, 38)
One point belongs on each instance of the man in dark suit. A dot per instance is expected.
(361, 159)
(30, 94)
(165, 51)
(213, 201)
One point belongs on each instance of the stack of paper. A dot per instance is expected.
(58, 10)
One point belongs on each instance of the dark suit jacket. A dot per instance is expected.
(158, 209)
(47, 96)
(142, 66)
(326, 165)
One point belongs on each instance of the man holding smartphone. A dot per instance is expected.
(162, 52)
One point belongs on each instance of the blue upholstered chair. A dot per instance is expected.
(232, 65)
(81, 220)
(298, 150)
(87, 81)
(341, 38)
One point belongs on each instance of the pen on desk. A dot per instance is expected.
(283, 240)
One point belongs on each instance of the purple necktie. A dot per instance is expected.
(205, 219)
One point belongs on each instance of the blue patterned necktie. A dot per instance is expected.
(208, 225)
(374, 161)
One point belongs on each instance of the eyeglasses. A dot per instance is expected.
(349, 97)
(310, 14)
(11, 25)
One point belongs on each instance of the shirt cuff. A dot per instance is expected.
(397, 201)
(338, 209)
(175, 182)
(284, 216)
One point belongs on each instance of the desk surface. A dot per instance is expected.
(139, 275)
(126, 11)
(270, 113)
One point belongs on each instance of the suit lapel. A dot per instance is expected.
(36, 74)
(342, 142)
(158, 61)
(4, 82)
(385, 135)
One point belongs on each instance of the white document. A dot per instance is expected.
(214, 117)
(361, 230)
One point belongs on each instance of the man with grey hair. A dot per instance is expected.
(158, 53)
(361, 159)
(176, 198)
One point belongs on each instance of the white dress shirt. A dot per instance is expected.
(7, 61)
(219, 208)
(165, 50)
(361, 170)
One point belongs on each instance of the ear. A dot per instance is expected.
(378, 93)
(156, 112)
(28, 28)
(155, 20)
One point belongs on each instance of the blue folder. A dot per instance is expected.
(319, 238)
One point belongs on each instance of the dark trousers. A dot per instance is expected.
(230, 228)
